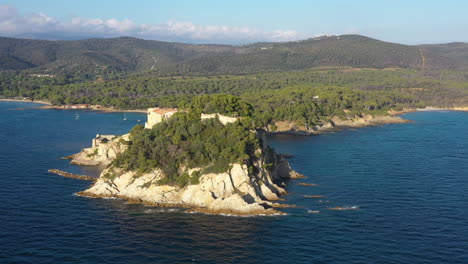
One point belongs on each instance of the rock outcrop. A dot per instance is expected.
(288, 127)
(103, 151)
(71, 175)
(238, 191)
(368, 120)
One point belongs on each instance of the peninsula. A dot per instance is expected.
(209, 162)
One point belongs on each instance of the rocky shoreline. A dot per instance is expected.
(94, 108)
(336, 123)
(72, 175)
(103, 151)
(234, 192)
(48, 105)
(230, 193)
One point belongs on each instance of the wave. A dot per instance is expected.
(343, 208)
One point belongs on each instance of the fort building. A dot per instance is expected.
(157, 115)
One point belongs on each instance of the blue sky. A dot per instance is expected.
(240, 21)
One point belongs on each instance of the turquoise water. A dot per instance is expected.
(408, 182)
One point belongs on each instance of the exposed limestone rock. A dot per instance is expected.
(324, 126)
(368, 120)
(104, 149)
(71, 175)
(284, 171)
(235, 192)
(288, 127)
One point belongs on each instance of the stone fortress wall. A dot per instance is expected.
(157, 115)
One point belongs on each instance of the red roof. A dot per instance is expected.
(163, 111)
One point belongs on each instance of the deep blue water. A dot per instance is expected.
(410, 182)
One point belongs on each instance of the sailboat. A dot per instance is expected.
(77, 116)
(125, 117)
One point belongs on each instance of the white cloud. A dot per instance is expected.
(40, 25)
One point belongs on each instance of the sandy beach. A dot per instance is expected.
(27, 101)
(48, 105)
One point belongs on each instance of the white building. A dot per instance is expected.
(157, 115)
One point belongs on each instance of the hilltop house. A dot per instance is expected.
(156, 115)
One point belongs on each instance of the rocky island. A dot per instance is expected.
(210, 163)
(211, 157)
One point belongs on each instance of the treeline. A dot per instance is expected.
(312, 105)
(439, 88)
(301, 96)
(222, 104)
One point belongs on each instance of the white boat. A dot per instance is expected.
(77, 116)
(125, 117)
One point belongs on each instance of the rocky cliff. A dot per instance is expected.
(239, 191)
(103, 151)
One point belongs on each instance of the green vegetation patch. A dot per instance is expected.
(222, 104)
(184, 142)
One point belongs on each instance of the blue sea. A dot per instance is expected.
(407, 185)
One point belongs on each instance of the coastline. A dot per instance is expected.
(48, 105)
(189, 208)
(336, 124)
(26, 101)
(433, 108)
(392, 118)
(227, 193)
(99, 108)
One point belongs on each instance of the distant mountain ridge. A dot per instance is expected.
(131, 55)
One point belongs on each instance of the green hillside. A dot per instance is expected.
(304, 82)
(90, 58)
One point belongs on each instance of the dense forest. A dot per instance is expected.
(91, 59)
(300, 96)
(305, 82)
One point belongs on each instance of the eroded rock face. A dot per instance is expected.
(235, 192)
(368, 120)
(289, 127)
(103, 151)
